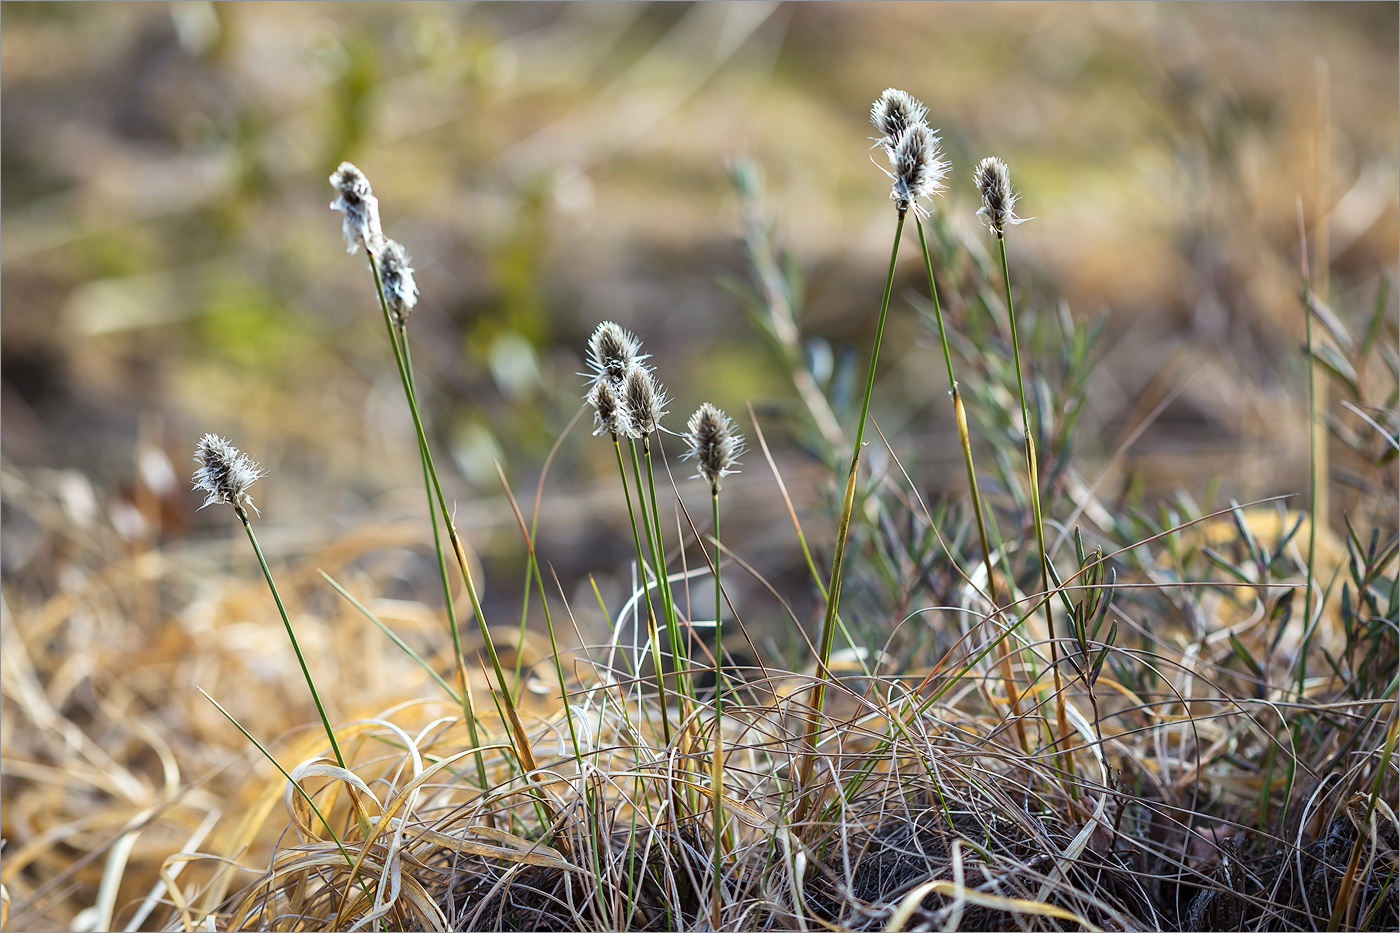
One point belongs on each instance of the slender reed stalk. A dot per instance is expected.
(1038, 519)
(1315, 443)
(717, 766)
(1013, 690)
(225, 473)
(715, 447)
(993, 181)
(468, 713)
(395, 280)
(654, 633)
(520, 741)
(613, 352)
(916, 171)
(680, 657)
(296, 646)
(833, 589)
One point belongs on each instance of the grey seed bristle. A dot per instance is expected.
(713, 444)
(356, 199)
(224, 472)
(917, 171)
(644, 400)
(396, 275)
(609, 413)
(612, 351)
(993, 181)
(894, 113)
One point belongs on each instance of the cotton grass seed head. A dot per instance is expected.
(714, 444)
(993, 181)
(894, 113)
(397, 276)
(225, 472)
(644, 400)
(361, 208)
(609, 413)
(612, 351)
(917, 170)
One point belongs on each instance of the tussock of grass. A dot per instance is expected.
(1139, 725)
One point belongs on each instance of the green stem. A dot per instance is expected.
(520, 740)
(965, 441)
(1312, 466)
(296, 646)
(833, 590)
(468, 713)
(668, 602)
(653, 631)
(717, 770)
(685, 688)
(1037, 516)
(533, 565)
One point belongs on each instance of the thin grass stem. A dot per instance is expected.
(653, 633)
(717, 769)
(668, 603)
(464, 695)
(296, 646)
(833, 590)
(533, 564)
(1013, 690)
(1037, 516)
(310, 802)
(520, 739)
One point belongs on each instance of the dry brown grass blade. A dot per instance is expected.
(518, 851)
(1012, 905)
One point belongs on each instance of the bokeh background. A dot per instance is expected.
(169, 267)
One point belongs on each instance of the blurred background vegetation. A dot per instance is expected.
(169, 266)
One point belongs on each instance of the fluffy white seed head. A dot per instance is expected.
(993, 181)
(224, 472)
(714, 444)
(361, 208)
(397, 276)
(644, 400)
(894, 113)
(612, 351)
(916, 169)
(609, 413)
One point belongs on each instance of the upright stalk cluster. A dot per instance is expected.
(628, 404)
(397, 293)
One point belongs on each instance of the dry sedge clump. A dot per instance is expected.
(1003, 763)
